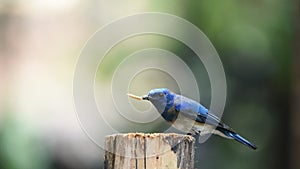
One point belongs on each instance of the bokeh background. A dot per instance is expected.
(258, 43)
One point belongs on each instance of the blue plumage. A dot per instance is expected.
(170, 105)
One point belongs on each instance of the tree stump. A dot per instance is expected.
(149, 151)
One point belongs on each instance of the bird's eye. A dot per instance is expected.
(161, 94)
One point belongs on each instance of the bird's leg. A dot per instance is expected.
(193, 132)
(196, 131)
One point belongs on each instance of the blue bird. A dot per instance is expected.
(171, 105)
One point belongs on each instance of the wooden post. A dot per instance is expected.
(149, 151)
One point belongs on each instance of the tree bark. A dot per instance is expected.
(149, 151)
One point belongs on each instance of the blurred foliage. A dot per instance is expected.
(254, 40)
(20, 147)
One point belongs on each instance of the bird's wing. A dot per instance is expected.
(197, 112)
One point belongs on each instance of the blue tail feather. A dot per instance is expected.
(236, 137)
(242, 140)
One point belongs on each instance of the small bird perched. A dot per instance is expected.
(170, 105)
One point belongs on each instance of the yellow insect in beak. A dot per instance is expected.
(138, 97)
(134, 96)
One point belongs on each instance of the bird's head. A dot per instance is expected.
(161, 98)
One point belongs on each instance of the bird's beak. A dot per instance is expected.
(136, 97)
(145, 97)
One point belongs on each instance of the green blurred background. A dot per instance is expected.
(257, 43)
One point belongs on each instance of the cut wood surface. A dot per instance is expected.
(149, 151)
